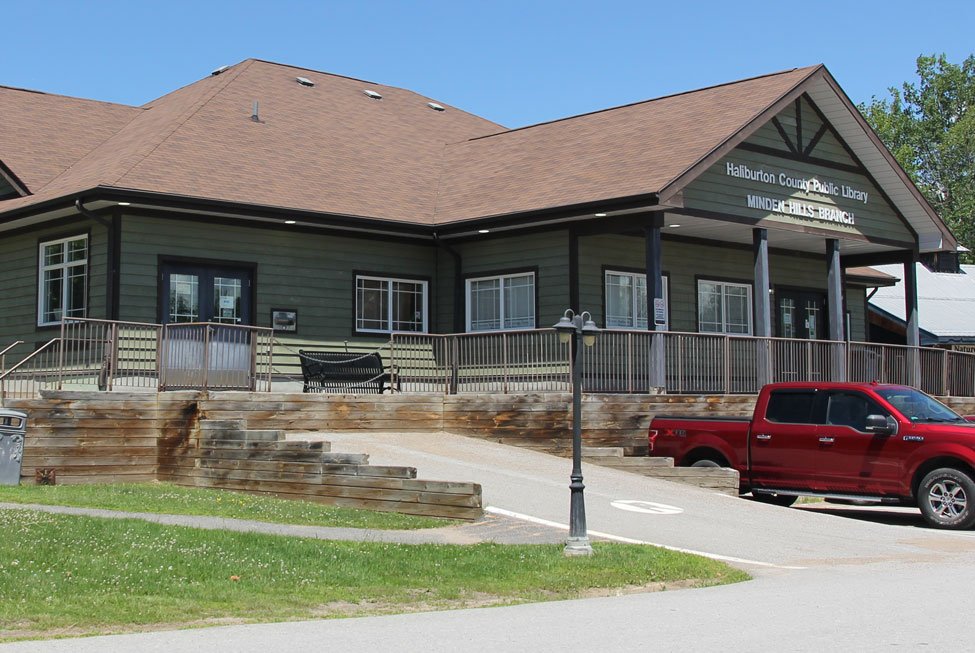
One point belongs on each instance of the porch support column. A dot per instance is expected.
(834, 304)
(913, 331)
(655, 294)
(763, 309)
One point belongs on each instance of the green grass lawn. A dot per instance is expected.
(66, 575)
(165, 498)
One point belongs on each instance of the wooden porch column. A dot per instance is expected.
(763, 308)
(655, 300)
(834, 305)
(913, 331)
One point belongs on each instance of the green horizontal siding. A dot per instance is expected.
(718, 192)
(19, 275)
(684, 263)
(312, 273)
(547, 253)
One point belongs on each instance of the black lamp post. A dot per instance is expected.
(585, 331)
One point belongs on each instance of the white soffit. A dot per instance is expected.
(930, 236)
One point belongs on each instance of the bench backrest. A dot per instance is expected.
(336, 370)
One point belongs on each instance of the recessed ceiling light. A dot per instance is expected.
(483, 231)
(289, 221)
(600, 215)
(673, 226)
(125, 203)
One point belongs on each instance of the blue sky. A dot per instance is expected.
(513, 62)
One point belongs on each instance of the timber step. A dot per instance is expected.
(229, 447)
(232, 453)
(319, 446)
(614, 457)
(716, 478)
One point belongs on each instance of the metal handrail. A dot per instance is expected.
(29, 357)
(3, 354)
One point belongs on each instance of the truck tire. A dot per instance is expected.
(706, 462)
(946, 498)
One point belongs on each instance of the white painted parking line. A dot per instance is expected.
(627, 540)
(646, 507)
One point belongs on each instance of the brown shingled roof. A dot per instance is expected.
(42, 134)
(326, 148)
(628, 151)
(331, 149)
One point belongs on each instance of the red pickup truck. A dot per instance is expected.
(851, 441)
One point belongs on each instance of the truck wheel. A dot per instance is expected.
(706, 462)
(784, 500)
(946, 498)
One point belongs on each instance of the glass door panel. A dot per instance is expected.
(226, 300)
(184, 298)
(787, 314)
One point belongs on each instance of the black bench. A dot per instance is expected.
(337, 371)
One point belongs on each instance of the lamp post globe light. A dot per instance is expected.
(585, 331)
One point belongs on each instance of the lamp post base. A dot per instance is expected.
(577, 546)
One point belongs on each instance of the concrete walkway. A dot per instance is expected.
(490, 528)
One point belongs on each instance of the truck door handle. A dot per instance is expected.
(827, 440)
(763, 436)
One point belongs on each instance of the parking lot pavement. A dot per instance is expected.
(753, 535)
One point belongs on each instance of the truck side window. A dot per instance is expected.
(791, 406)
(850, 409)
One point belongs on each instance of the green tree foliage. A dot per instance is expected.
(930, 129)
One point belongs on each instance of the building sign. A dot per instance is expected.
(807, 185)
(659, 311)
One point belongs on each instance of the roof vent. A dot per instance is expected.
(435, 106)
(220, 70)
(372, 94)
(304, 81)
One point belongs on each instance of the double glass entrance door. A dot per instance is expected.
(801, 315)
(215, 355)
(196, 293)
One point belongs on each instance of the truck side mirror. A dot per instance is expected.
(881, 425)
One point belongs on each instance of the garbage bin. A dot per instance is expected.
(13, 428)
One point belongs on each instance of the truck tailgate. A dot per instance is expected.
(685, 438)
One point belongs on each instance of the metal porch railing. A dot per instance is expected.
(111, 355)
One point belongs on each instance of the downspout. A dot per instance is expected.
(112, 229)
(458, 282)
(91, 216)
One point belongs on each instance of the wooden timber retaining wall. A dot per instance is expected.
(94, 437)
(98, 437)
(539, 421)
(226, 454)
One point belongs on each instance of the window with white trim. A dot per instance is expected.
(62, 279)
(626, 300)
(505, 301)
(724, 307)
(384, 305)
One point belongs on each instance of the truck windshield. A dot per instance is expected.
(917, 406)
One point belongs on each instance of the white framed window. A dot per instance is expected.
(384, 305)
(504, 301)
(62, 279)
(626, 300)
(724, 307)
